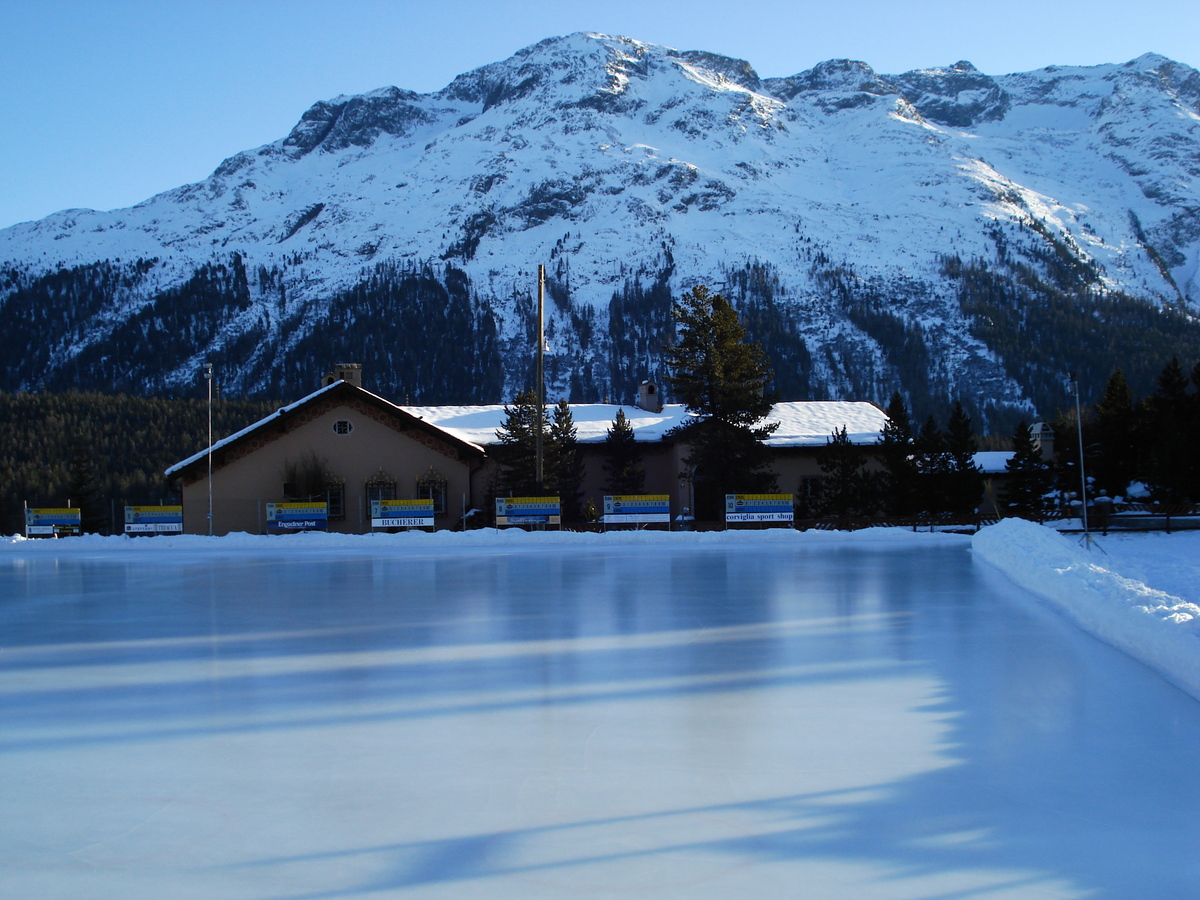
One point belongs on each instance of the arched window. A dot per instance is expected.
(380, 486)
(433, 485)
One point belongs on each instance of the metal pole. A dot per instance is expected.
(541, 382)
(208, 375)
(1082, 476)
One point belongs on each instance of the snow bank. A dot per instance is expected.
(482, 540)
(1157, 628)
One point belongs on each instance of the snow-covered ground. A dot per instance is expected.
(753, 714)
(1139, 592)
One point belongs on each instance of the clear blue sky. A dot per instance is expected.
(103, 104)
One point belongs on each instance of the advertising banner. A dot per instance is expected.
(402, 513)
(637, 509)
(305, 516)
(154, 520)
(528, 511)
(759, 508)
(49, 522)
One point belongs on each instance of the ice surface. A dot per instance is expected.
(539, 716)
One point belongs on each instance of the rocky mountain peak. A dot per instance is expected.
(878, 231)
(831, 76)
(959, 96)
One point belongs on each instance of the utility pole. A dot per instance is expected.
(1087, 537)
(208, 376)
(541, 381)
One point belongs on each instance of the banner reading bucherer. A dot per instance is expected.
(402, 513)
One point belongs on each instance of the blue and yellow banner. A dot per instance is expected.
(153, 519)
(637, 509)
(302, 516)
(759, 508)
(528, 511)
(402, 513)
(52, 521)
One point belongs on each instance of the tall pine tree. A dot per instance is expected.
(565, 464)
(898, 479)
(625, 473)
(1170, 464)
(845, 487)
(517, 450)
(1117, 434)
(933, 468)
(964, 480)
(83, 492)
(722, 380)
(1029, 477)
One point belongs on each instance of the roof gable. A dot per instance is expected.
(339, 394)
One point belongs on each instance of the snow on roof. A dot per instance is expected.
(275, 415)
(478, 424)
(801, 423)
(804, 423)
(809, 423)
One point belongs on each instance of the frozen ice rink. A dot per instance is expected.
(626, 720)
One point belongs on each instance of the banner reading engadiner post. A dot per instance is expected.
(285, 517)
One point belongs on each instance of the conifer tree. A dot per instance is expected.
(933, 468)
(517, 450)
(1030, 478)
(1170, 464)
(564, 474)
(1116, 432)
(722, 379)
(964, 480)
(83, 491)
(899, 476)
(623, 467)
(844, 489)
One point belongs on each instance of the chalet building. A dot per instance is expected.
(347, 446)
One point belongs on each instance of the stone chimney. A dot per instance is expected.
(351, 373)
(648, 397)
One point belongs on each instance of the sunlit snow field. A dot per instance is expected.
(686, 717)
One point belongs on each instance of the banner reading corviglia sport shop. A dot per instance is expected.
(759, 508)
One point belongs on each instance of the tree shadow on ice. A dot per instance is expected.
(1067, 770)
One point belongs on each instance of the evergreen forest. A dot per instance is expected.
(103, 449)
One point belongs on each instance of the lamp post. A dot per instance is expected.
(539, 475)
(208, 376)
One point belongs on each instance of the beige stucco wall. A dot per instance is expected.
(661, 461)
(242, 488)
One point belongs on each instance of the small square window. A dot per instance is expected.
(342, 426)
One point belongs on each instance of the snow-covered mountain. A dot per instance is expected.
(950, 232)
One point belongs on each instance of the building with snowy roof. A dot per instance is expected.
(369, 448)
